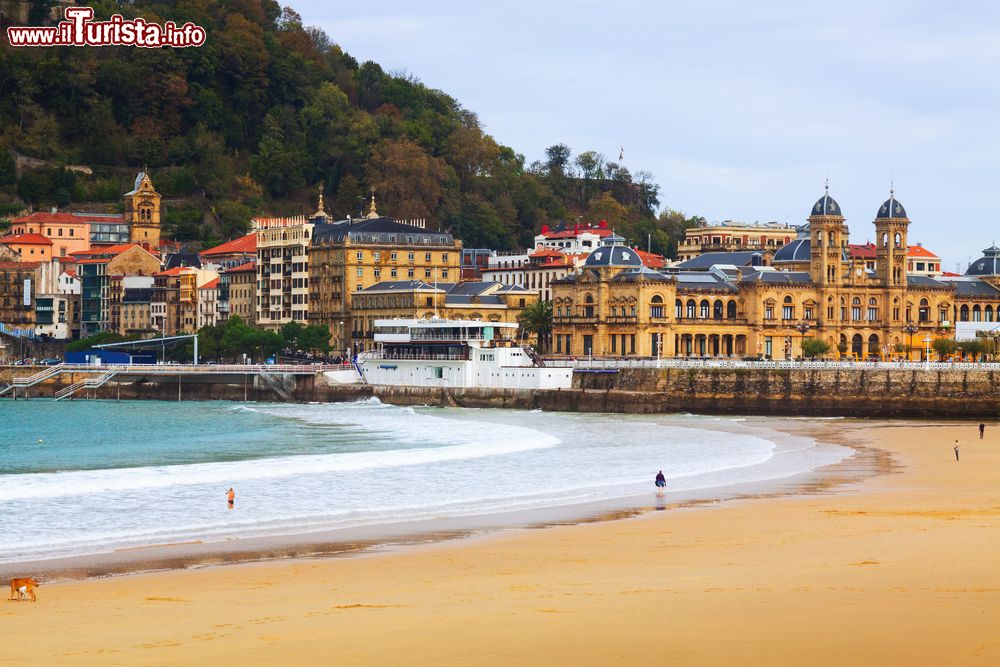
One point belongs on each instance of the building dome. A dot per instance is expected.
(617, 255)
(987, 265)
(796, 251)
(891, 209)
(826, 205)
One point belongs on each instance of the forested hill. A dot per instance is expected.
(266, 110)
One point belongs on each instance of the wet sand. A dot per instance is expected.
(895, 569)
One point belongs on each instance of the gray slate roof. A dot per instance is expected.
(709, 259)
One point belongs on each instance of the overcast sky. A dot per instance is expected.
(739, 110)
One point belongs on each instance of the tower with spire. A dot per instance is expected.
(891, 225)
(827, 241)
(142, 211)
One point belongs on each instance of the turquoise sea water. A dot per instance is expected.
(91, 476)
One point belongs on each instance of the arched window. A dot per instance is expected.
(977, 313)
(717, 310)
(678, 308)
(788, 299)
(588, 308)
(589, 298)
(691, 308)
(963, 313)
(897, 239)
(731, 310)
(656, 306)
(873, 301)
(873, 344)
(856, 301)
(703, 309)
(989, 313)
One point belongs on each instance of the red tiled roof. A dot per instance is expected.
(70, 272)
(949, 274)
(176, 271)
(20, 265)
(211, 284)
(27, 239)
(546, 252)
(865, 251)
(920, 251)
(249, 266)
(244, 244)
(650, 259)
(63, 218)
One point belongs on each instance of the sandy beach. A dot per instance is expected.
(899, 569)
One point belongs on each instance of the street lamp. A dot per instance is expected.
(802, 328)
(910, 329)
(927, 351)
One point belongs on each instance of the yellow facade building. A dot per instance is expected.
(351, 255)
(617, 307)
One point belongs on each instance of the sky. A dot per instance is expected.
(740, 110)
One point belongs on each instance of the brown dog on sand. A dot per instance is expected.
(22, 586)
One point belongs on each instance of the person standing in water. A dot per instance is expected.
(982, 430)
(956, 450)
(231, 497)
(661, 481)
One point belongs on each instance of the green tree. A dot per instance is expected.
(8, 172)
(842, 347)
(291, 332)
(536, 320)
(944, 347)
(315, 338)
(814, 347)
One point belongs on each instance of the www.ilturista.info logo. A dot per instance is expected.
(80, 30)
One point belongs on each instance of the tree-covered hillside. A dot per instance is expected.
(267, 109)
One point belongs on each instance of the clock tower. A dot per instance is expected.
(142, 211)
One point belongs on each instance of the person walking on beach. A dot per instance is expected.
(956, 450)
(982, 430)
(661, 481)
(231, 497)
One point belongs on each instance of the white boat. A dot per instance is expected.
(455, 353)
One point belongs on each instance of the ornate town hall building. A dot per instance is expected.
(813, 289)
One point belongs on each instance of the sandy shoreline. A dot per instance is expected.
(897, 569)
(396, 535)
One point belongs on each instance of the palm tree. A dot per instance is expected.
(537, 319)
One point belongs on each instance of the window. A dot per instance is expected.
(427, 257)
(360, 255)
(409, 256)
(788, 312)
(444, 273)
(392, 256)
(378, 255)
(444, 257)
(409, 273)
(392, 272)
(807, 312)
(427, 273)
(378, 272)
(361, 273)
(703, 309)
(768, 312)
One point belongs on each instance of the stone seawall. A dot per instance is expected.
(792, 392)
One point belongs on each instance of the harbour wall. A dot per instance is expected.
(973, 394)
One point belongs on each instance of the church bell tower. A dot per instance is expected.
(827, 241)
(142, 211)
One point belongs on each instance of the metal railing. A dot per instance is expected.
(40, 376)
(419, 357)
(725, 363)
(87, 383)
